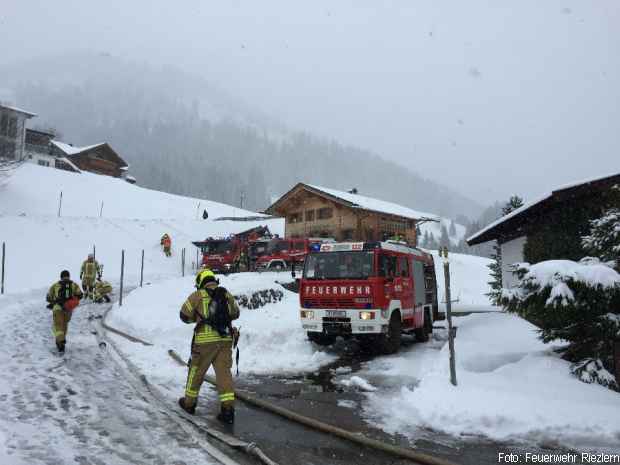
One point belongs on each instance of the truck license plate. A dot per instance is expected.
(336, 313)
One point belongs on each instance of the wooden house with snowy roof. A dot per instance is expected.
(551, 226)
(315, 211)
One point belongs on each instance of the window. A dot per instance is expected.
(295, 218)
(347, 234)
(309, 215)
(43, 163)
(299, 245)
(325, 213)
(387, 266)
(403, 267)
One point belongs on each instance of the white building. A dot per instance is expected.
(13, 132)
(558, 219)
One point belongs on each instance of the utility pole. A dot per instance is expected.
(446, 272)
(242, 199)
(142, 268)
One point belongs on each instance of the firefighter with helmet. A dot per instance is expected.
(103, 289)
(90, 271)
(212, 308)
(166, 244)
(62, 298)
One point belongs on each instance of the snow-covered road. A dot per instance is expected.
(78, 408)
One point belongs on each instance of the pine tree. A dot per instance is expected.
(496, 256)
(425, 240)
(604, 238)
(452, 230)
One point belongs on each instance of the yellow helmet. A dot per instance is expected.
(205, 276)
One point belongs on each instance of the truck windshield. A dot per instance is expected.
(339, 265)
(277, 245)
(218, 247)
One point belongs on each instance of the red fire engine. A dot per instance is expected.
(228, 254)
(284, 253)
(371, 290)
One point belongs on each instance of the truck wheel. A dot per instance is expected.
(422, 334)
(321, 338)
(390, 343)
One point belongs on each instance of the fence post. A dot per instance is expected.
(198, 210)
(142, 268)
(183, 262)
(101, 210)
(197, 258)
(94, 252)
(60, 204)
(2, 280)
(120, 297)
(446, 272)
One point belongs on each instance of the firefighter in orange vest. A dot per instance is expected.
(62, 298)
(166, 243)
(212, 308)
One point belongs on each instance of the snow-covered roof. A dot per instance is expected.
(539, 200)
(376, 205)
(19, 110)
(70, 163)
(71, 150)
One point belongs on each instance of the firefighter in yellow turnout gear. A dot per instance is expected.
(103, 289)
(91, 270)
(58, 298)
(212, 308)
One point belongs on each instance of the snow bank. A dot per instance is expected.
(40, 245)
(510, 385)
(35, 190)
(272, 340)
(469, 278)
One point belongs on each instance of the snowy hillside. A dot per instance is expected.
(39, 244)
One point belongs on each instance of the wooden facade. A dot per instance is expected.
(100, 159)
(309, 212)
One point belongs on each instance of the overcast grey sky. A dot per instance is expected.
(491, 97)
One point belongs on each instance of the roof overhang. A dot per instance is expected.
(517, 223)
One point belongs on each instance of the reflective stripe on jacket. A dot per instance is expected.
(196, 308)
(90, 269)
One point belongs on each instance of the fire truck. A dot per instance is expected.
(281, 254)
(229, 254)
(373, 291)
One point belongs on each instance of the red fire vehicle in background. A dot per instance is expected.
(373, 291)
(229, 254)
(281, 254)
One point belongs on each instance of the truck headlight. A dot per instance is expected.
(367, 315)
(307, 314)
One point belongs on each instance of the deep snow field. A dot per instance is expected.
(39, 244)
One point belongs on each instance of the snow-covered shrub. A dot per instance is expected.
(259, 298)
(576, 302)
(604, 238)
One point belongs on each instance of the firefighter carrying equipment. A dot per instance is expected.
(90, 271)
(103, 289)
(58, 295)
(213, 340)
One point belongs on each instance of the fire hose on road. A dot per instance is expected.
(401, 452)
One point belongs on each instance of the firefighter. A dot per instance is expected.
(212, 308)
(62, 298)
(166, 243)
(103, 289)
(91, 270)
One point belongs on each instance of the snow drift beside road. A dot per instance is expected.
(272, 340)
(510, 386)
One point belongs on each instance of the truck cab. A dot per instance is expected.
(281, 254)
(220, 255)
(373, 291)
